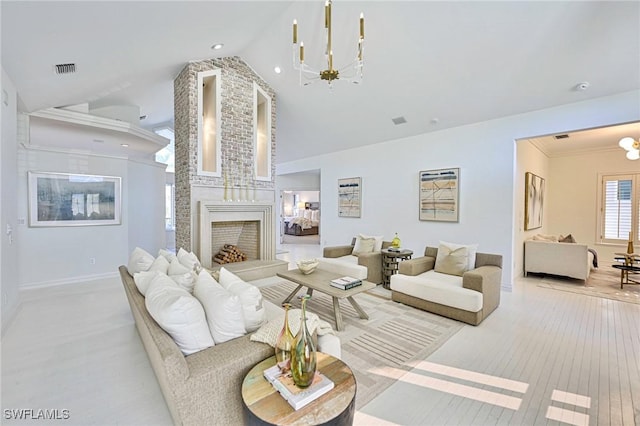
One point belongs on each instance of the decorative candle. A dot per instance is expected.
(361, 25)
(331, 60)
(301, 52)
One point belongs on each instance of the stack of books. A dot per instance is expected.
(345, 283)
(295, 396)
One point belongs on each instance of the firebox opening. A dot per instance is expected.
(244, 235)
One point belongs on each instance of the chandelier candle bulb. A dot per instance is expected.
(327, 11)
(295, 31)
(361, 25)
(331, 61)
(301, 52)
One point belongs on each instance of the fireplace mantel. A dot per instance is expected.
(226, 211)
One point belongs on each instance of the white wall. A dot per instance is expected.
(9, 273)
(485, 154)
(59, 255)
(146, 206)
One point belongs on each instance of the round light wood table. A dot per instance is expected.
(264, 405)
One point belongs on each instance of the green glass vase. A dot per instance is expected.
(303, 354)
(284, 342)
(395, 243)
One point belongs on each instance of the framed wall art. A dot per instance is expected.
(349, 197)
(439, 194)
(63, 199)
(533, 201)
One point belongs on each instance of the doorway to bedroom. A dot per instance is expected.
(300, 217)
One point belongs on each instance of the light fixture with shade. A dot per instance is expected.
(351, 72)
(632, 147)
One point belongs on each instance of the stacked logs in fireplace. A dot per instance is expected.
(229, 253)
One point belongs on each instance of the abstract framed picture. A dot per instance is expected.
(63, 199)
(533, 201)
(349, 197)
(439, 191)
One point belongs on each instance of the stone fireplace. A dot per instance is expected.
(249, 225)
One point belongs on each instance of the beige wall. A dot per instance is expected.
(528, 159)
(572, 194)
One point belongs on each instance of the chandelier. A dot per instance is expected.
(351, 72)
(631, 146)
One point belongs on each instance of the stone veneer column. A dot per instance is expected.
(236, 142)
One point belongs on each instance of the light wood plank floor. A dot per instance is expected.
(544, 357)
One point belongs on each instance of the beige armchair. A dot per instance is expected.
(372, 261)
(468, 298)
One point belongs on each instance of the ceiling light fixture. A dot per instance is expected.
(631, 146)
(277, 70)
(217, 46)
(312, 75)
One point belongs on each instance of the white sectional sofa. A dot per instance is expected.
(566, 259)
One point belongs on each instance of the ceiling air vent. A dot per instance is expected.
(565, 136)
(65, 68)
(399, 120)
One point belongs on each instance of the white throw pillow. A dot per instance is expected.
(182, 275)
(161, 264)
(179, 314)
(143, 280)
(455, 259)
(378, 245)
(167, 254)
(223, 308)
(269, 332)
(363, 245)
(253, 310)
(139, 261)
(189, 260)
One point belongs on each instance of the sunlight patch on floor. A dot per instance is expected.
(457, 389)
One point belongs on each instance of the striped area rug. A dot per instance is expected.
(381, 349)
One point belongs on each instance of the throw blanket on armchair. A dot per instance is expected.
(595, 257)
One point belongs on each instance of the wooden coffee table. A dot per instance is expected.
(320, 280)
(264, 405)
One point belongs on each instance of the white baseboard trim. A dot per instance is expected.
(71, 280)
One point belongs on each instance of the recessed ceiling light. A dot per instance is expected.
(277, 70)
(217, 46)
(125, 145)
(581, 87)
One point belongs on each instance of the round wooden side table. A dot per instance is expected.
(265, 406)
(390, 261)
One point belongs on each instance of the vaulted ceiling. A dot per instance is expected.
(437, 64)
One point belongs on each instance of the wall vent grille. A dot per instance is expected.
(65, 68)
(399, 120)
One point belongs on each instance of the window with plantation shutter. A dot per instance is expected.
(620, 208)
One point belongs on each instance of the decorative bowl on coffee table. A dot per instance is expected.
(308, 266)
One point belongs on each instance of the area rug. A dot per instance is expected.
(603, 282)
(392, 337)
